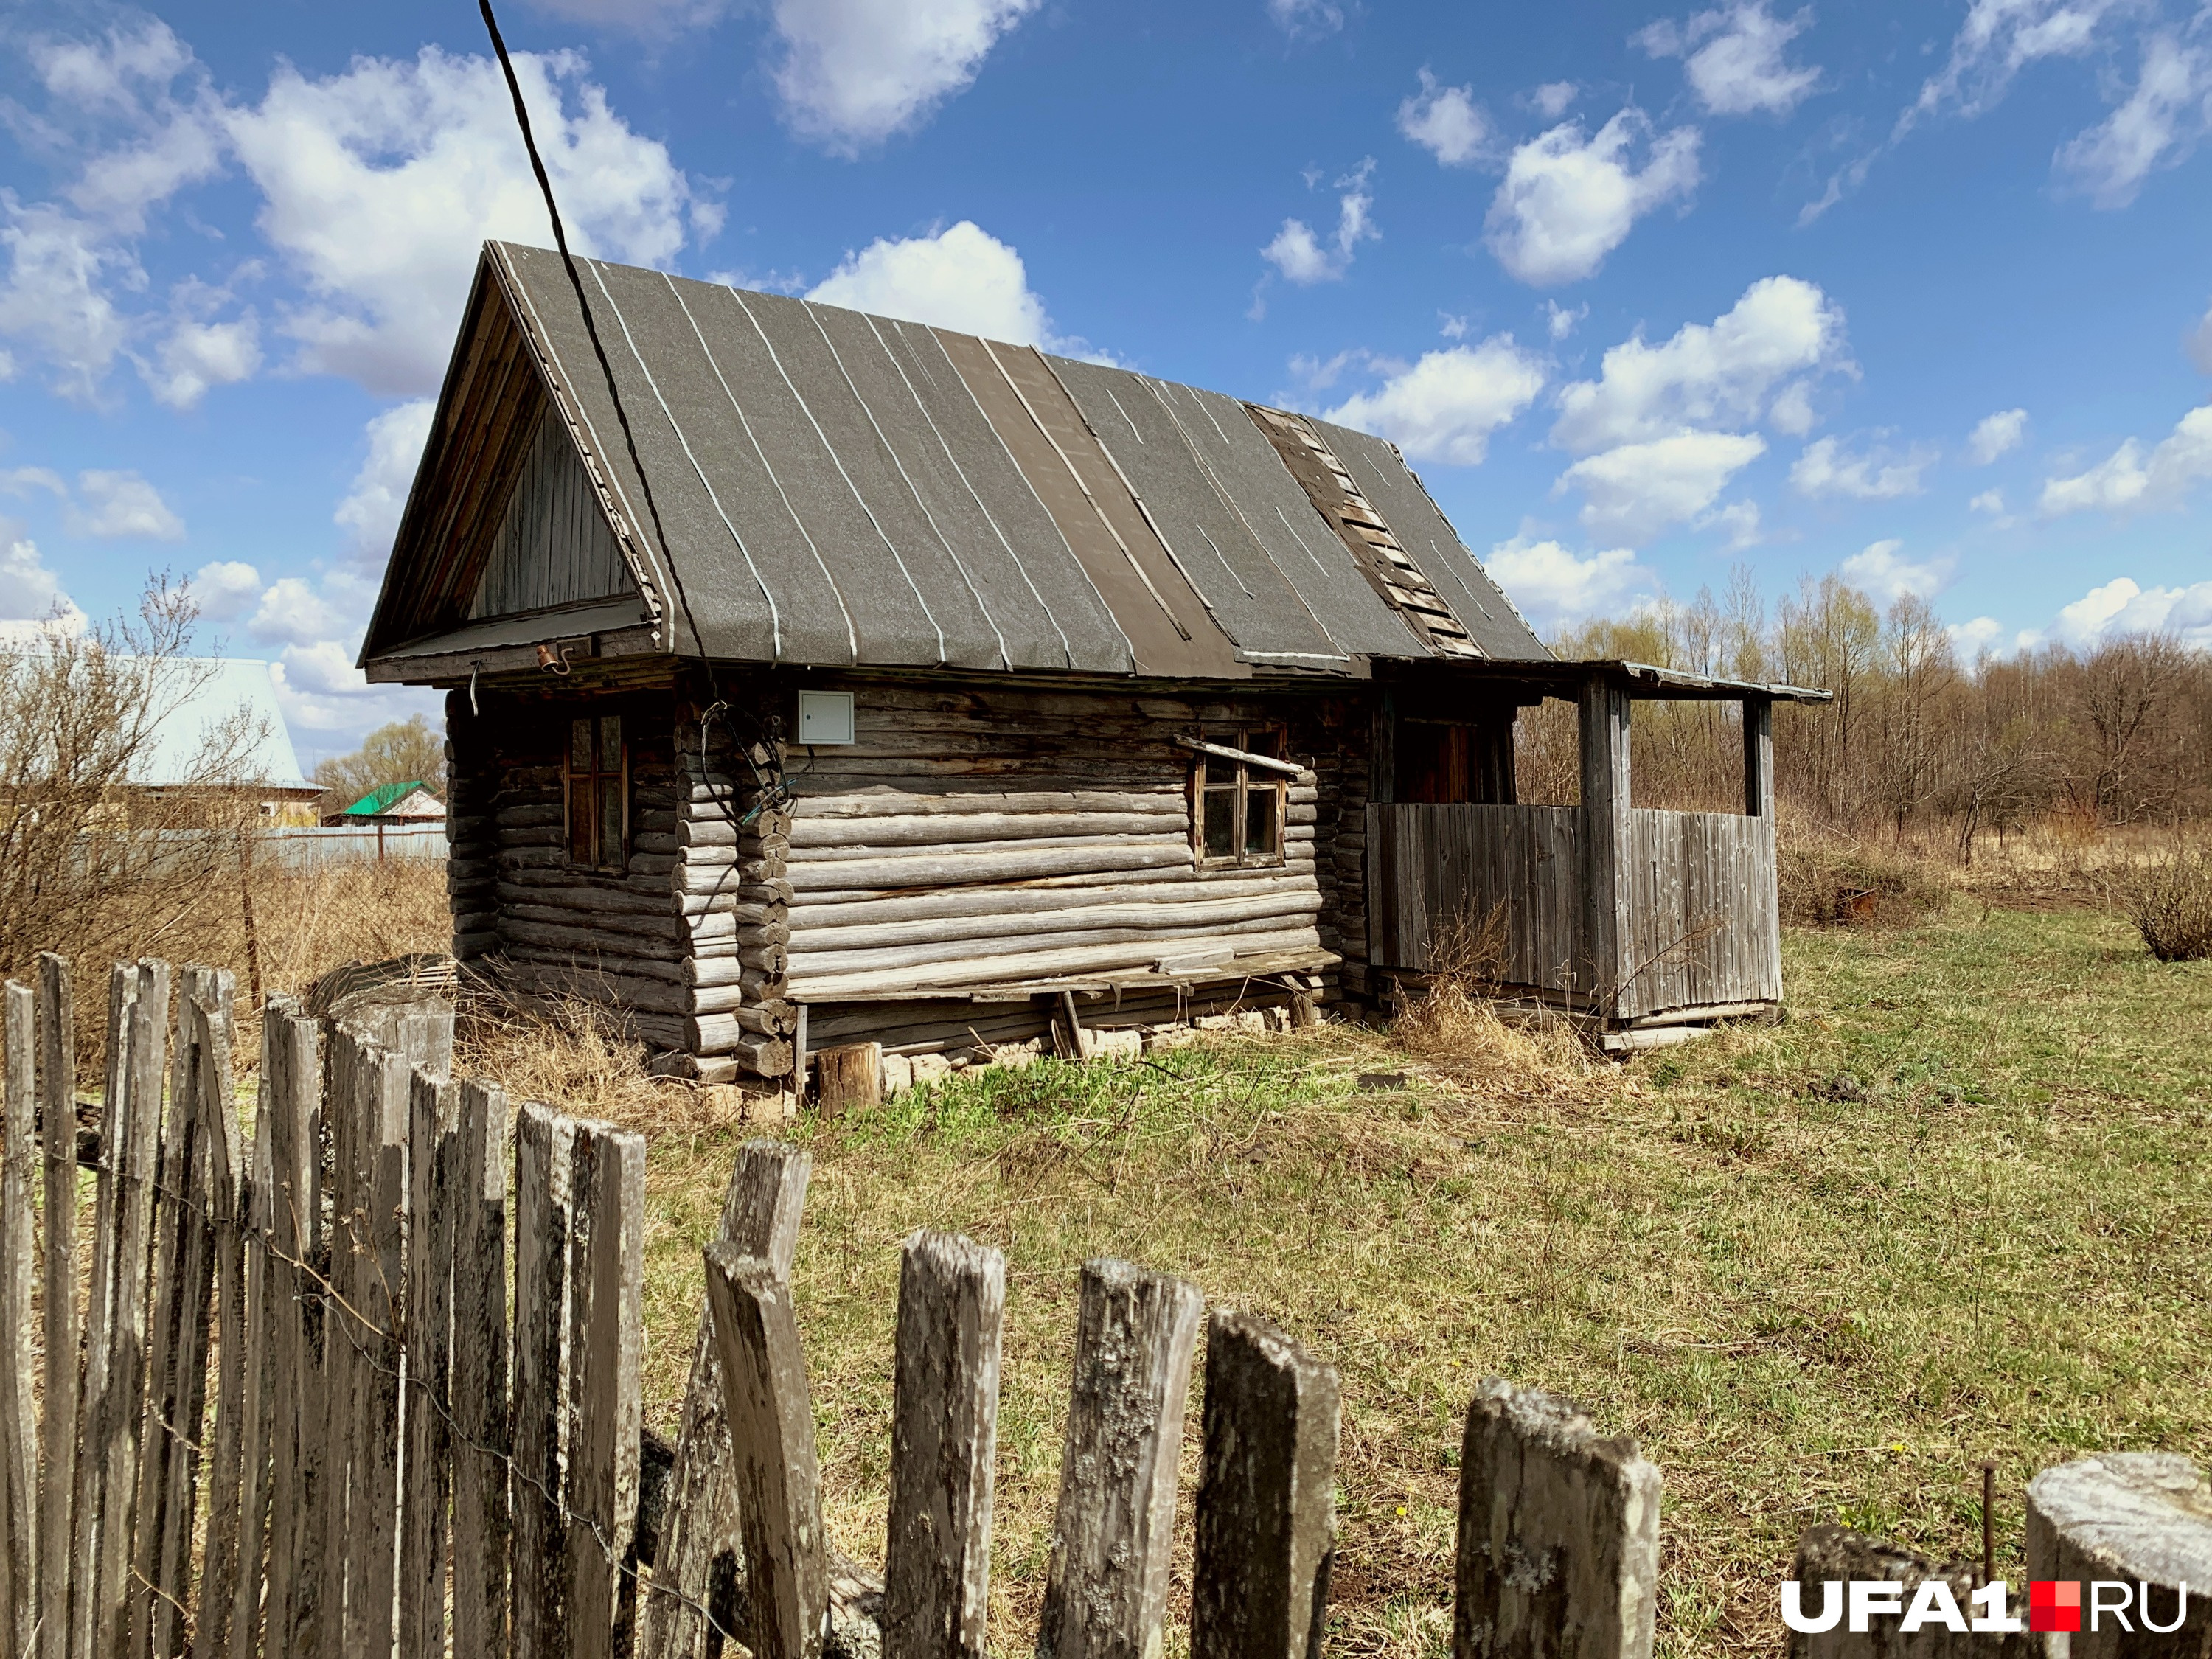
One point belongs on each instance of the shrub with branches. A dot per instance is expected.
(2170, 902)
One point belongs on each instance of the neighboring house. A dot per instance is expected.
(221, 733)
(408, 803)
(947, 689)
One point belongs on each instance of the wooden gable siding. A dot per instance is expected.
(553, 546)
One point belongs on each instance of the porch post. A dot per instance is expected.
(1607, 927)
(1759, 757)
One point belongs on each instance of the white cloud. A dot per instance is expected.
(647, 17)
(225, 588)
(1999, 38)
(2198, 344)
(1971, 639)
(1445, 406)
(2127, 478)
(1791, 412)
(291, 613)
(1553, 99)
(854, 72)
(372, 506)
(1559, 322)
(1722, 372)
(380, 182)
(1446, 122)
(2159, 124)
(1734, 57)
(55, 297)
(961, 277)
(1876, 569)
(1740, 519)
(2120, 607)
(29, 592)
(1568, 200)
(197, 356)
(122, 504)
(1634, 491)
(1991, 501)
(1306, 18)
(1300, 255)
(1555, 587)
(330, 703)
(1825, 469)
(1996, 435)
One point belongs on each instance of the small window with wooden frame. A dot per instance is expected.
(596, 793)
(1238, 802)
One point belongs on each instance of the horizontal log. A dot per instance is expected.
(808, 965)
(811, 910)
(588, 942)
(746, 893)
(941, 829)
(1023, 966)
(728, 965)
(1150, 832)
(818, 935)
(726, 878)
(1292, 869)
(898, 804)
(729, 921)
(577, 896)
(992, 865)
(531, 816)
(715, 829)
(719, 1034)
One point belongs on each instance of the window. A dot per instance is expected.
(599, 793)
(1238, 808)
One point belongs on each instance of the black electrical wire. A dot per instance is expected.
(773, 788)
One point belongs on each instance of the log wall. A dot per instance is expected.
(970, 838)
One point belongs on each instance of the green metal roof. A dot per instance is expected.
(383, 800)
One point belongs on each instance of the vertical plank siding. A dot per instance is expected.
(1702, 926)
(553, 546)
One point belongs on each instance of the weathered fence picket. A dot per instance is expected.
(401, 1460)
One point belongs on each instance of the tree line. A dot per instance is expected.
(1917, 740)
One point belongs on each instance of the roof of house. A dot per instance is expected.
(838, 488)
(217, 709)
(389, 798)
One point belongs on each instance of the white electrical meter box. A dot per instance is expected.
(825, 717)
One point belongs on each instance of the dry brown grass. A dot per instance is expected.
(1455, 1032)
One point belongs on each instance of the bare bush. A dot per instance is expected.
(2170, 902)
(1453, 1025)
(1828, 880)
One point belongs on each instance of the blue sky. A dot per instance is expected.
(1918, 293)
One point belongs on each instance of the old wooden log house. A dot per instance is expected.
(963, 696)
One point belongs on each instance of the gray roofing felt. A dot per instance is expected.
(834, 488)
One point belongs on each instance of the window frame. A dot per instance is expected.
(595, 781)
(1244, 782)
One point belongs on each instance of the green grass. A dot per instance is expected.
(1959, 1206)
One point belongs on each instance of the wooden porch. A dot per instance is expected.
(1648, 923)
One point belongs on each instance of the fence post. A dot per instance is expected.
(761, 1211)
(1829, 1555)
(1106, 1589)
(784, 1566)
(422, 1532)
(479, 1374)
(1266, 1515)
(2144, 1518)
(543, 1143)
(57, 1453)
(1558, 1534)
(234, 1527)
(136, 1072)
(1607, 924)
(606, 1278)
(945, 1430)
(19, 1453)
(304, 1403)
(250, 1323)
(87, 1507)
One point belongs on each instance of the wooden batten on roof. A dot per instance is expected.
(842, 491)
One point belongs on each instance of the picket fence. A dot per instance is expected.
(299, 1398)
(285, 1405)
